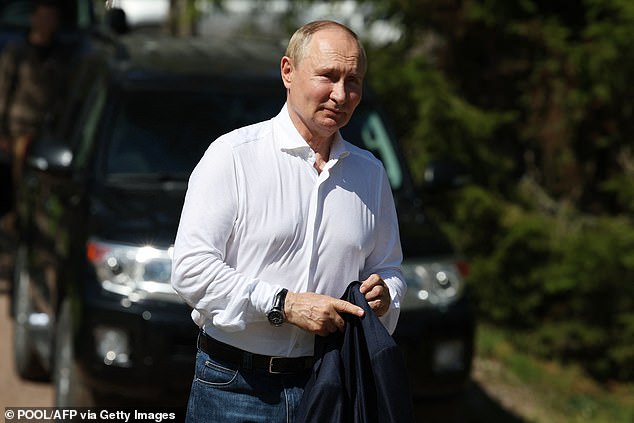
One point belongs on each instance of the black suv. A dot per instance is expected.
(101, 203)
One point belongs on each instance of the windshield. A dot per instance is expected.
(166, 133)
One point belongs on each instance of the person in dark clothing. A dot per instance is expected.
(33, 72)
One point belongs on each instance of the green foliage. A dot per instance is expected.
(561, 278)
(506, 247)
(556, 393)
(621, 185)
(438, 121)
(569, 287)
(536, 98)
(592, 296)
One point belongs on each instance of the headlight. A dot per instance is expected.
(113, 345)
(436, 283)
(137, 272)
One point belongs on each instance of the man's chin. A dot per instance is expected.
(334, 122)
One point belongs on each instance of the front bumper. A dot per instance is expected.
(438, 347)
(159, 339)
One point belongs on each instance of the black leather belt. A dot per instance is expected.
(248, 361)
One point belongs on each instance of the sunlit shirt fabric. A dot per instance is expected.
(258, 217)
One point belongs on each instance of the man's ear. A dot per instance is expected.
(286, 69)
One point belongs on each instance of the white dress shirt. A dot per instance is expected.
(258, 217)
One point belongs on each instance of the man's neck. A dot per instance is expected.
(320, 144)
(321, 148)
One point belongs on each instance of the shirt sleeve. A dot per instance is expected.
(200, 275)
(386, 257)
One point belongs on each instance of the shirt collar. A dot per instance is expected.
(292, 142)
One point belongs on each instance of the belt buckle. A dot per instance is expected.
(272, 361)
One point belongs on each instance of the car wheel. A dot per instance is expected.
(69, 389)
(27, 362)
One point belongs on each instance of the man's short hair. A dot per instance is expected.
(298, 44)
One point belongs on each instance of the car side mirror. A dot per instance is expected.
(50, 156)
(441, 175)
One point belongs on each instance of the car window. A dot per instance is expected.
(89, 121)
(367, 130)
(85, 14)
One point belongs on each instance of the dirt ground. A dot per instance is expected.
(482, 402)
(15, 392)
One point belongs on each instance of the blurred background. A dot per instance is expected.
(534, 99)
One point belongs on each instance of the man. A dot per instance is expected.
(278, 219)
(32, 75)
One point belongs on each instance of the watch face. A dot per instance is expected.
(276, 317)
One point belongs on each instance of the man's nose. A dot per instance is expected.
(339, 92)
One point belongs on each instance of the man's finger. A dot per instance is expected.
(342, 306)
(370, 283)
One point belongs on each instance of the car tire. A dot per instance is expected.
(27, 363)
(69, 389)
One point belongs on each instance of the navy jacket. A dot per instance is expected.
(359, 375)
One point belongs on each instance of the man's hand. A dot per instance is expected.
(377, 294)
(316, 313)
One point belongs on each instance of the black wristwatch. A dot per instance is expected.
(276, 315)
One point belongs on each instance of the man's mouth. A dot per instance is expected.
(337, 112)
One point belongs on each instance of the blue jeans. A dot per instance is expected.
(222, 393)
